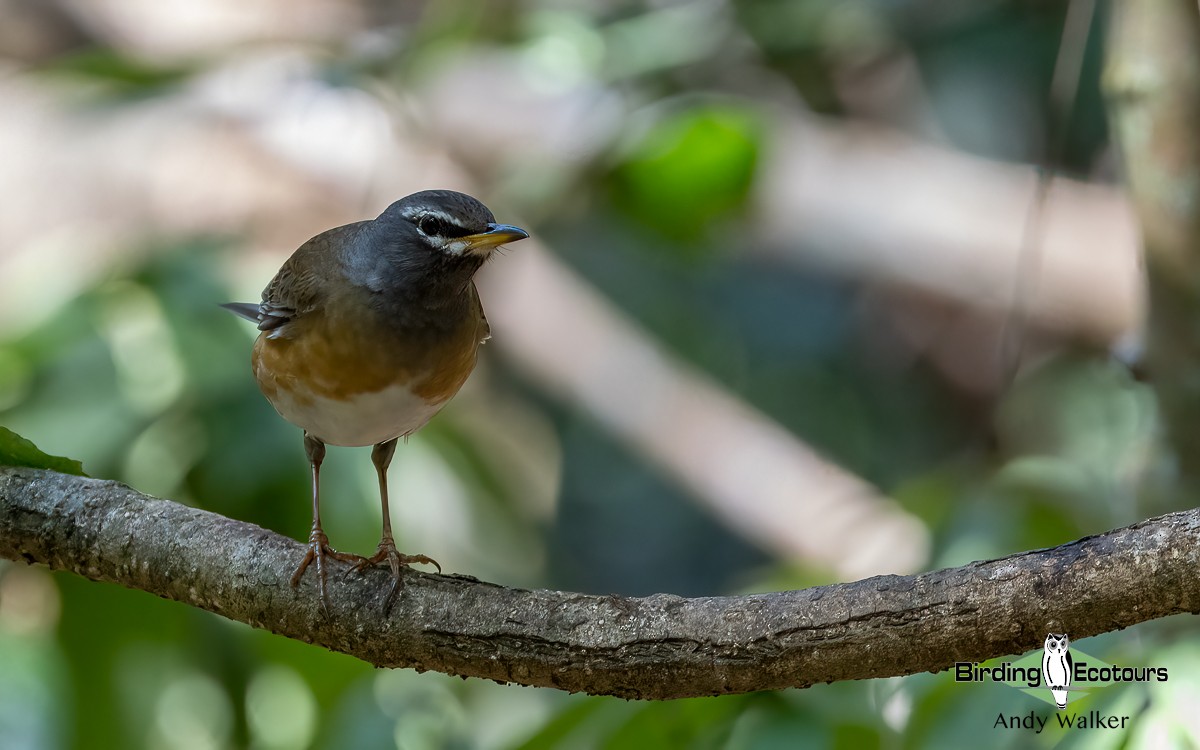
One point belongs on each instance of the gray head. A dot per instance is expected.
(425, 247)
(448, 223)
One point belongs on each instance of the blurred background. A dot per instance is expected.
(797, 309)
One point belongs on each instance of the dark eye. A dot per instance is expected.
(431, 226)
(435, 226)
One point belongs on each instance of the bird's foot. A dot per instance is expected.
(395, 560)
(319, 551)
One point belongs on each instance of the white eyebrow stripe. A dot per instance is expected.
(416, 213)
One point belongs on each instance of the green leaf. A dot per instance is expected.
(17, 451)
(689, 171)
(116, 75)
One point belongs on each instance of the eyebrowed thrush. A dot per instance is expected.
(368, 330)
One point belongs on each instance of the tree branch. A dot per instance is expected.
(655, 647)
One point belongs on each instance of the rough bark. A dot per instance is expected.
(654, 647)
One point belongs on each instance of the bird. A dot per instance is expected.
(365, 333)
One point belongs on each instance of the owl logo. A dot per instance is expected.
(1057, 667)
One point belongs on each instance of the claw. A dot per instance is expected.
(318, 551)
(396, 560)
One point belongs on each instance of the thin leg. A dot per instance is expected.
(381, 456)
(318, 543)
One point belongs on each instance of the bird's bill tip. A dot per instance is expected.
(496, 234)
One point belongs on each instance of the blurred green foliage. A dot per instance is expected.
(146, 380)
(115, 76)
(688, 171)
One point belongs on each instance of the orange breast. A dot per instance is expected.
(330, 358)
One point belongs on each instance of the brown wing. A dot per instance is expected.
(298, 287)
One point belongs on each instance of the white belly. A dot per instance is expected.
(365, 419)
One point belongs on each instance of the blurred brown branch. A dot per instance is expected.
(891, 209)
(656, 647)
(757, 477)
(1153, 86)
